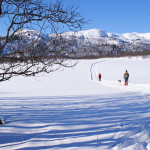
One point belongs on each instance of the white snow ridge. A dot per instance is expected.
(99, 33)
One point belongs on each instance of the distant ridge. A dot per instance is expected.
(99, 33)
(87, 43)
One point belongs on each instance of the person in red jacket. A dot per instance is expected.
(99, 76)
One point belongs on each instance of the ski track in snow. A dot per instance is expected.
(132, 87)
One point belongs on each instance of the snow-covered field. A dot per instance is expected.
(72, 110)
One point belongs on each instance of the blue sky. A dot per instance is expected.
(116, 16)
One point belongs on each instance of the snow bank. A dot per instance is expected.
(72, 110)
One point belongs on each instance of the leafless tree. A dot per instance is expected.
(26, 52)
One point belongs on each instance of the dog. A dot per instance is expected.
(119, 81)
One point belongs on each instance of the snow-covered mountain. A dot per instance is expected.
(96, 34)
(97, 42)
(93, 42)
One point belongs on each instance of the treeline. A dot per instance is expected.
(99, 50)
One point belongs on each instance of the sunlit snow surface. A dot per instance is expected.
(72, 110)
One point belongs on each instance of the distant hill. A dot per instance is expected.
(82, 44)
(97, 42)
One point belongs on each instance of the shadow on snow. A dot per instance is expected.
(77, 121)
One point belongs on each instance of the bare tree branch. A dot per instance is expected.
(28, 52)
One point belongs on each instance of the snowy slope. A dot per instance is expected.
(135, 35)
(72, 110)
(90, 34)
(88, 43)
(93, 34)
(97, 42)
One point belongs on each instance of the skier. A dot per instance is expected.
(99, 76)
(126, 77)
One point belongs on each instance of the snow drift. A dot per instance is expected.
(72, 110)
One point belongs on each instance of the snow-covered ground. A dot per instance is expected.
(72, 110)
